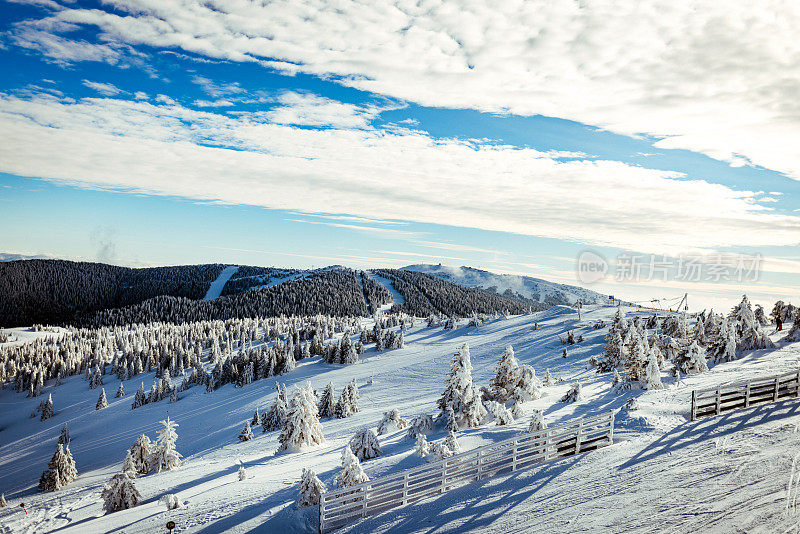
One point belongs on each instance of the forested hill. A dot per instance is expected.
(54, 291)
(95, 294)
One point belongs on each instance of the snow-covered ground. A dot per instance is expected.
(664, 473)
(215, 289)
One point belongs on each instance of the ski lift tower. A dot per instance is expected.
(684, 302)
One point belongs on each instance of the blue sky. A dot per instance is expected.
(169, 133)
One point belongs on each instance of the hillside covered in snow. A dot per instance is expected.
(513, 286)
(217, 380)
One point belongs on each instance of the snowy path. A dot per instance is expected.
(215, 289)
(397, 298)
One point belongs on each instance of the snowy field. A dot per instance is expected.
(733, 473)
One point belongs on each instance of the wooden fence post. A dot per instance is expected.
(514, 456)
(775, 395)
(320, 525)
(480, 465)
(578, 437)
(797, 394)
(444, 476)
(364, 505)
(611, 427)
(405, 489)
(747, 395)
(719, 403)
(694, 404)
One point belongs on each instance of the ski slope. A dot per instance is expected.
(664, 473)
(215, 290)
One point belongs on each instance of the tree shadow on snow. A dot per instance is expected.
(694, 432)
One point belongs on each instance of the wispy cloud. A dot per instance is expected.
(377, 174)
(107, 89)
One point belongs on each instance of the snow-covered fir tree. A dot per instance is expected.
(351, 474)
(102, 402)
(120, 391)
(365, 445)
(64, 437)
(327, 402)
(302, 427)
(347, 404)
(241, 473)
(422, 447)
(528, 387)
(507, 376)
(693, 361)
(141, 452)
(276, 416)
(722, 347)
(574, 394)
(129, 465)
(311, 489)
(60, 470)
(120, 493)
(458, 385)
(392, 422)
(548, 379)
(451, 424)
(451, 442)
(48, 410)
(537, 421)
(501, 414)
(164, 456)
(256, 418)
(246, 434)
(474, 411)
(652, 372)
(421, 424)
(748, 329)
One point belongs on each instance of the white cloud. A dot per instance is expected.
(714, 77)
(304, 109)
(107, 89)
(377, 174)
(140, 95)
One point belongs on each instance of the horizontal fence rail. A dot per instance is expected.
(344, 505)
(707, 402)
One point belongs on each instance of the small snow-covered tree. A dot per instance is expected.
(548, 378)
(452, 442)
(537, 421)
(347, 404)
(164, 456)
(507, 376)
(48, 410)
(422, 447)
(242, 474)
(574, 394)
(246, 434)
(693, 361)
(421, 424)
(311, 489)
(365, 445)
(474, 411)
(302, 427)
(64, 437)
(129, 465)
(652, 372)
(102, 402)
(51, 479)
(120, 391)
(748, 330)
(276, 415)
(351, 474)
(392, 422)
(171, 501)
(141, 452)
(501, 414)
(528, 387)
(120, 493)
(327, 403)
(256, 418)
(3, 502)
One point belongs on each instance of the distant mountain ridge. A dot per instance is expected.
(512, 286)
(60, 292)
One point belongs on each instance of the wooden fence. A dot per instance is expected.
(707, 402)
(344, 505)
